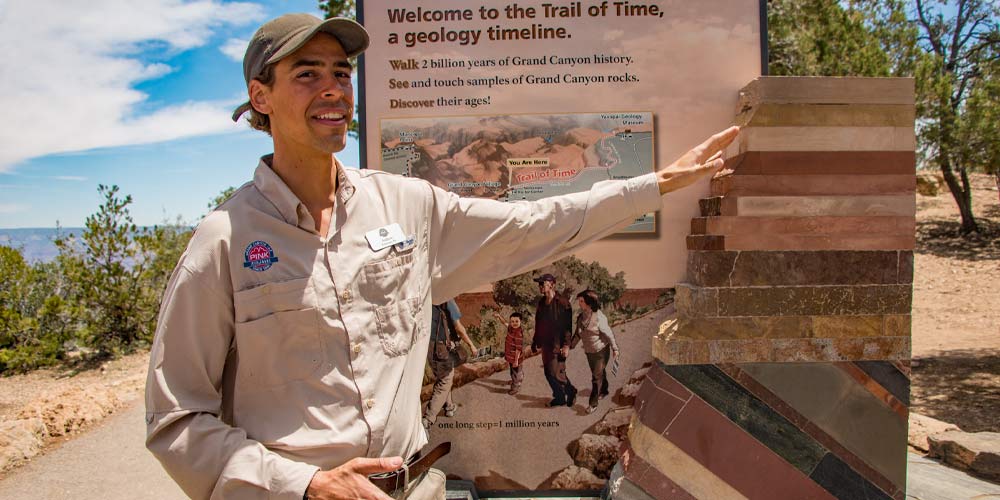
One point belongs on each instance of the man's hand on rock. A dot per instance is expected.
(350, 481)
(705, 159)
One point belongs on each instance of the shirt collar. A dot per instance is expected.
(292, 210)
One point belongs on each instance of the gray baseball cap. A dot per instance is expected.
(280, 37)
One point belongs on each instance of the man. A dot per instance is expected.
(292, 336)
(553, 332)
(446, 329)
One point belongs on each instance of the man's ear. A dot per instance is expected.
(260, 97)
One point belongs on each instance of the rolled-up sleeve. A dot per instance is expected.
(477, 241)
(205, 456)
(605, 329)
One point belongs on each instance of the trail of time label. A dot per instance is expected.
(522, 157)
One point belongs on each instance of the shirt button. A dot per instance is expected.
(356, 348)
(370, 403)
(345, 295)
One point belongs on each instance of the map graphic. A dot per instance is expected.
(522, 157)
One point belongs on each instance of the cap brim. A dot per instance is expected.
(352, 37)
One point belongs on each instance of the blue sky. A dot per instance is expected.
(136, 94)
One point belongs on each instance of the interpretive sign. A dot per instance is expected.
(518, 101)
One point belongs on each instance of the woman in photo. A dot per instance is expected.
(593, 330)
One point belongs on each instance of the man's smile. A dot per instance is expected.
(331, 118)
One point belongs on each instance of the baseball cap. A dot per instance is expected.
(545, 277)
(282, 36)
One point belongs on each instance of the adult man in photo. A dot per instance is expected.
(553, 332)
(292, 337)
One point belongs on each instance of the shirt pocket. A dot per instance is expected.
(392, 287)
(277, 333)
(398, 325)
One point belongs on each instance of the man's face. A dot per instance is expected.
(546, 287)
(311, 103)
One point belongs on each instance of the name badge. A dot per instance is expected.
(385, 236)
(408, 243)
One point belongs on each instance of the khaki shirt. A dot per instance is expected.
(279, 352)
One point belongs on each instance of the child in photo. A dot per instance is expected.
(513, 350)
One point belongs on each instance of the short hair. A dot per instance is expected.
(517, 315)
(258, 120)
(590, 298)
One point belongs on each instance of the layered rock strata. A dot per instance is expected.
(785, 373)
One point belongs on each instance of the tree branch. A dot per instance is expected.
(931, 36)
(972, 30)
(960, 20)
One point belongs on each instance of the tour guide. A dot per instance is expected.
(293, 333)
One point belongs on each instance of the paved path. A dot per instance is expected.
(497, 456)
(927, 479)
(109, 462)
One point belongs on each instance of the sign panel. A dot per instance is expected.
(517, 101)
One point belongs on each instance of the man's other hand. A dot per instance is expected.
(705, 159)
(350, 481)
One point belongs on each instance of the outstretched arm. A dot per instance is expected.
(480, 240)
(702, 160)
(464, 335)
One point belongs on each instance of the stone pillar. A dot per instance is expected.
(785, 373)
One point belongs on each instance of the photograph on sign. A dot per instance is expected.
(523, 101)
(521, 157)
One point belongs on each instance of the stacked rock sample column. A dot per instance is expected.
(785, 373)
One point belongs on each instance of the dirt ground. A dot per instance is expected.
(956, 312)
(956, 328)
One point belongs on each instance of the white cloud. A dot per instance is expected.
(234, 48)
(75, 178)
(12, 208)
(70, 71)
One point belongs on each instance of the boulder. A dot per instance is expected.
(576, 478)
(615, 423)
(626, 395)
(978, 452)
(72, 409)
(597, 453)
(929, 183)
(20, 440)
(922, 426)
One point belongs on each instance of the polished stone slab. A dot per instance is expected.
(690, 475)
(819, 206)
(806, 185)
(794, 268)
(898, 225)
(823, 163)
(825, 90)
(889, 376)
(737, 457)
(827, 139)
(694, 302)
(687, 352)
(736, 372)
(844, 409)
(827, 115)
(646, 479)
(791, 327)
(814, 242)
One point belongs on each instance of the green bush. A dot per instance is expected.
(101, 293)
